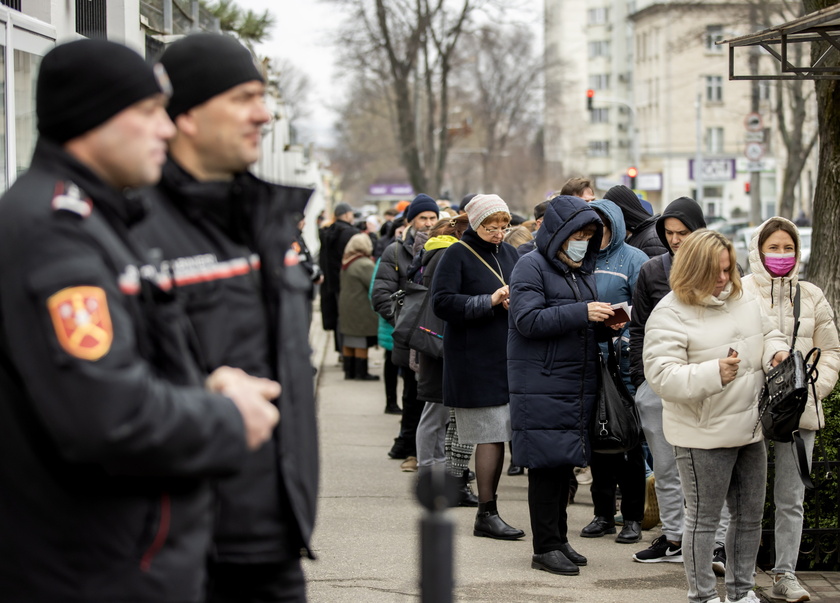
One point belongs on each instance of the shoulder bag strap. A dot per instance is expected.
(481, 259)
(797, 307)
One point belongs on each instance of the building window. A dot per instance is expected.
(763, 90)
(599, 116)
(15, 4)
(26, 67)
(714, 140)
(714, 88)
(599, 148)
(714, 34)
(599, 81)
(91, 18)
(598, 16)
(599, 48)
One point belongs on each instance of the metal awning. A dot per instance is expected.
(821, 26)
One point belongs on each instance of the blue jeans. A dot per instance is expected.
(788, 495)
(710, 477)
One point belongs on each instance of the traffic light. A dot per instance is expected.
(590, 94)
(747, 187)
(632, 173)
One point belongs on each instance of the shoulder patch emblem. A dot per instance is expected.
(82, 321)
(68, 197)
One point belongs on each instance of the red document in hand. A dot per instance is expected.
(622, 314)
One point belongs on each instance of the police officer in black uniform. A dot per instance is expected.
(106, 436)
(228, 238)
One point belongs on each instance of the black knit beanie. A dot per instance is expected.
(628, 201)
(204, 65)
(82, 84)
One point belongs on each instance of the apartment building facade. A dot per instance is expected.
(663, 102)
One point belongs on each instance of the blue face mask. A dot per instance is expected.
(577, 250)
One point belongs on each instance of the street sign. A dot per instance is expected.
(754, 136)
(753, 123)
(755, 166)
(714, 169)
(754, 151)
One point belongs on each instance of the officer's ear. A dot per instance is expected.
(186, 123)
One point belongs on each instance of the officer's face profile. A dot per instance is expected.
(129, 149)
(225, 132)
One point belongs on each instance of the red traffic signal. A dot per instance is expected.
(590, 94)
(632, 172)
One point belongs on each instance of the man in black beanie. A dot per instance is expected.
(228, 236)
(109, 431)
(641, 231)
(391, 276)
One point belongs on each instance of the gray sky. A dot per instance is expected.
(303, 34)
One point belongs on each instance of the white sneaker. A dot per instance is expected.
(787, 587)
(750, 597)
(715, 600)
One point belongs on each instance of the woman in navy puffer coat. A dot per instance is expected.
(552, 369)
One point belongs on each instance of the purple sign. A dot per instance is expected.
(714, 169)
(391, 190)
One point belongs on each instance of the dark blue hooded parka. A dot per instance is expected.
(552, 351)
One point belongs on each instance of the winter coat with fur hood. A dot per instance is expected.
(816, 321)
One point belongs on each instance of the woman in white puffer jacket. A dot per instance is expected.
(706, 350)
(775, 251)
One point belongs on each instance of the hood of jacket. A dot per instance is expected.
(564, 216)
(762, 276)
(616, 225)
(684, 209)
(440, 242)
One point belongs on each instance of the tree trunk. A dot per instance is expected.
(825, 252)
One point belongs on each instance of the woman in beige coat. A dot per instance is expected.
(775, 251)
(706, 350)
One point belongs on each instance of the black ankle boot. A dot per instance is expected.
(362, 371)
(349, 367)
(489, 525)
(391, 406)
(466, 498)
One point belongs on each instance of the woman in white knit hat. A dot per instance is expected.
(470, 293)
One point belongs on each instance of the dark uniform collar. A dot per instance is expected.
(110, 201)
(226, 203)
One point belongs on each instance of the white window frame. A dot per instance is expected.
(714, 140)
(714, 88)
(714, 33)
(19, 32)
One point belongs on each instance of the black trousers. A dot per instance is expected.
(548, 496)
(625, 470)
(390, 373)
(256, 583)
(411, 410)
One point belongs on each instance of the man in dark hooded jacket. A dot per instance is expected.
(682, 217)
(641, 231)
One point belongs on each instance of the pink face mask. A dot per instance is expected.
(779, 264)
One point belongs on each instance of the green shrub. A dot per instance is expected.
(820, 548)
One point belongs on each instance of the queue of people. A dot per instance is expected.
(523, 312)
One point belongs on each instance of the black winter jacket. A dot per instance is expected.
(334, 239)
(390, 277)
(228, 245)
(430, 377)
(646, 238)
(652, 284)
(552, 348)
(106, 438)
(475, 335)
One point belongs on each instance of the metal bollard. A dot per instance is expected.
(436, 491)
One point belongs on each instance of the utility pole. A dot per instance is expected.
(698, 158)
(755, 176)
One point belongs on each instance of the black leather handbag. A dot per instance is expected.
(615, 426)
(785, 396)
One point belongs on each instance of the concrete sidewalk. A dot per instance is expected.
(366, 536)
